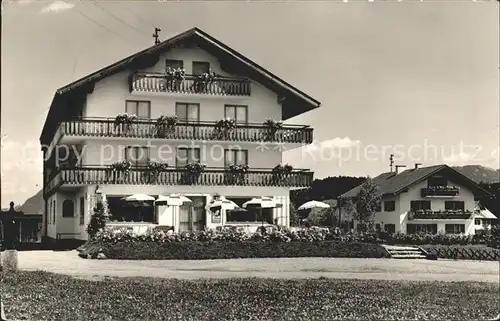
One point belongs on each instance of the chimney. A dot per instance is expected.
(417, 165)
(398, 166)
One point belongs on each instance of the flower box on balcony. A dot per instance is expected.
(437, 215)
(440, 191)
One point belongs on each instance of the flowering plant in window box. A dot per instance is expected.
(119, 167)
(202, 80)
(237, 173)
(224, 126)
(154, 168)
(281, 171)
(175, 74)
(193, 172)
(165, 125)
(272, 126)
(125, 119)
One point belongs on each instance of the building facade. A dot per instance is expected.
(141, 125)
(435, 199)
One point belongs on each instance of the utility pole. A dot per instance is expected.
(156, 35)
(391, 161)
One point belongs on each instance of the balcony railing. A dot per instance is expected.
(440, 191)
(186, 131)
(176, 176)
(439, 215)
(158, 82)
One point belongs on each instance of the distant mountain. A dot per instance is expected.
(480, 174)
(34, 204)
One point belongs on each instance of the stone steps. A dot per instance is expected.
(405, 252)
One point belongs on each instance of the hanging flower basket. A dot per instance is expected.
(193, 172)
(125, 121)
(237, 173)
(271, 128)
(166, 125)
(154, 169)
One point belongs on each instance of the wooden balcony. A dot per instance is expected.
(91, 175)
(440, 191)
(439, 215)
(159, 83)
(208, 131)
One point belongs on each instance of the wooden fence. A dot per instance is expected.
(464, 253)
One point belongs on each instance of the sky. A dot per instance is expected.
(418, 79)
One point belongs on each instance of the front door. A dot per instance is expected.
(192, 217)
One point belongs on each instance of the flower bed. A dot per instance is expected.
(31, 296)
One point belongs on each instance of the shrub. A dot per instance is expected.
(98, 220)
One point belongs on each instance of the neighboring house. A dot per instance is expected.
(150, 84)
(430, 200)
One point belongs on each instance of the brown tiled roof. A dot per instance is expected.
(393, 184)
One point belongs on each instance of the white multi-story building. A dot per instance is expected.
(434, 199)
(82, 138)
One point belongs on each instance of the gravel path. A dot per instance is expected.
(69, 263)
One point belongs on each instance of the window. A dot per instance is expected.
(454, 228)
(49, 213)
(187, 112)
(437, 181)
(82, 210)
(377, 227)
(477, 221)
(68, 208)
(142, 109)
(239, 157)
(54, 212)
(187, 156)
(174, 64)
(420, 205)
(138, 156)
(236, 112)
(200, 67)
(421, 228)
(390, 228)
(389, 206)
(454, 205)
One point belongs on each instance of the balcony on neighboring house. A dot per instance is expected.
(90, 175)
(440, 191)
(83, 129)
(189, 84)
(439, 215)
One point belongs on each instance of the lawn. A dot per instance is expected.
(46, 296)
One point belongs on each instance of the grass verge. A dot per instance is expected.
(145, 250)
(45, 296)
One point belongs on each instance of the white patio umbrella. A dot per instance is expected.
(138, 198)
(223, 203)
(173, 199)
(313, 204)
(260, 203)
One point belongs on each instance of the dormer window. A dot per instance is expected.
(200, 67)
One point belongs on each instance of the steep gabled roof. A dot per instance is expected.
(394, 184)
(208, 43)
